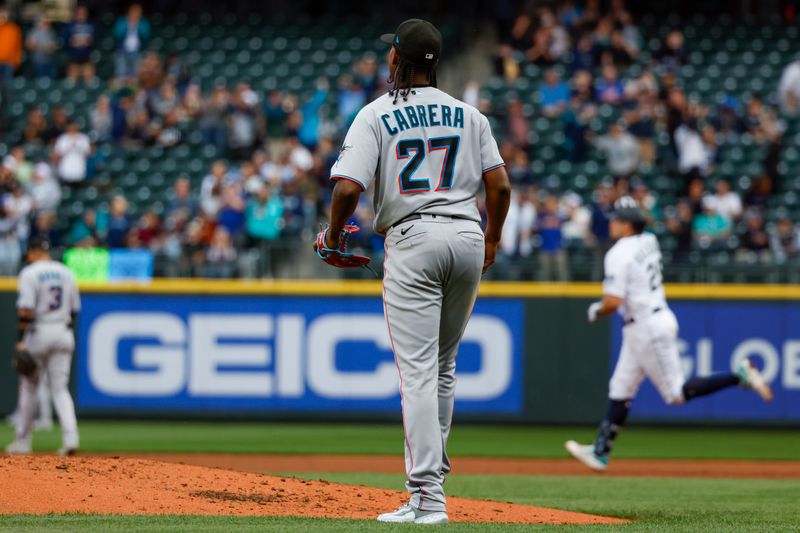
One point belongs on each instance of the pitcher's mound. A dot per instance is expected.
(45, 484)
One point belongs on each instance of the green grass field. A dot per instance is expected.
(655, 504)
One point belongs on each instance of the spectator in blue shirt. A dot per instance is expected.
(131, 34)
(79, 36)
(553, 94)
(309, 129)
(119, 223)
(553, 265)
(609, 87)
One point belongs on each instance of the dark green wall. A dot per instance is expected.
(8, 338)
(566, 362)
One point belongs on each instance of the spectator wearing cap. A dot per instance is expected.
(131, 34)
(79, 41)
(71, 151)
(42, 43)
(10, 46)
(620, 150)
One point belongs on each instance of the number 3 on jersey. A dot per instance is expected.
(408, 183)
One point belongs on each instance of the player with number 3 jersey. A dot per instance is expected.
(425, 156)
(47, 306)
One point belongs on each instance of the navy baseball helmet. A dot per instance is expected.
(627, 210)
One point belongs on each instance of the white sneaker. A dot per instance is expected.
(431, 518)
(751, 378)
(585, 454)
(402, 515)
(406, 514)
(19, 448)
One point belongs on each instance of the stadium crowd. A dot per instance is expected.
(582, 51)
(270, 183)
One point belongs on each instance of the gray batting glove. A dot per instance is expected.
(594, 311)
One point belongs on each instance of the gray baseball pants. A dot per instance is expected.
(431, 277)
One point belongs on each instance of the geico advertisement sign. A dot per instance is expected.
(269, 356)
(780, 363)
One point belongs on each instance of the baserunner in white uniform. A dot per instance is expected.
(47, 305)
(425, 155)
(633, 287)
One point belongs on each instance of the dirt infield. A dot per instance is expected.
(479, 465)
(113, 485)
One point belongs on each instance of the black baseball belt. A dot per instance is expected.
(632, 320)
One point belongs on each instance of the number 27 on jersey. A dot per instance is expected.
(415, 151)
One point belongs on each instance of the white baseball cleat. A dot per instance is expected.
(406, 514)
(585, 454)
(751, 378)
(19, 448)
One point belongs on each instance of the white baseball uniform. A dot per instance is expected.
(650, 333)
(424, 159)
(48, 288)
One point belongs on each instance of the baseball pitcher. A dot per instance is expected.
(425, 156)
(47, 305)
(633, 287)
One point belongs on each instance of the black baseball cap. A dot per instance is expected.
(417, 41)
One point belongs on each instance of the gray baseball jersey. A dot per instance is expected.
(49, 289)
(424, 155)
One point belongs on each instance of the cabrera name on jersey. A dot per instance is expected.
(424, 155)
(633, 272)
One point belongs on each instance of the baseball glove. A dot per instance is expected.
(340, 257)
(23, 363)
